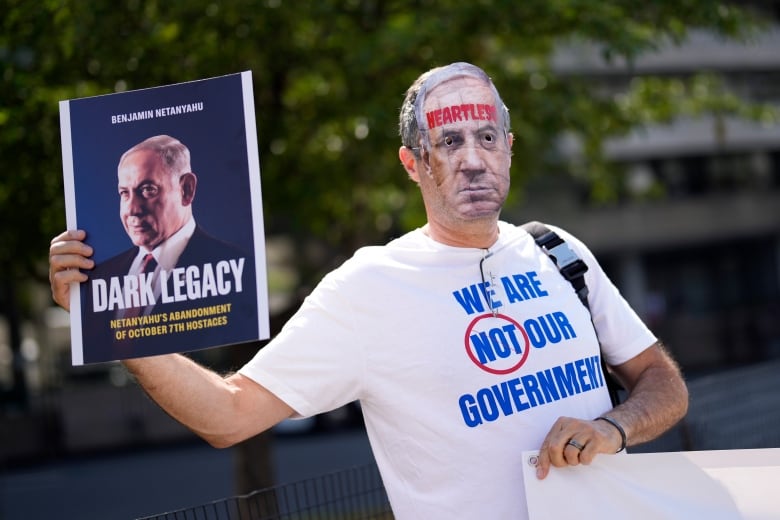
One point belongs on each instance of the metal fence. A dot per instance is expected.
(730, 410)
(351, 494)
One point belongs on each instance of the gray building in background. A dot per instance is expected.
(702, 262)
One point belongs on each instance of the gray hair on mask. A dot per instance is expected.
(412, 123)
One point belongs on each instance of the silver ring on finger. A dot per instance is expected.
(576, 444)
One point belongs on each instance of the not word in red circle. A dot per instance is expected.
(509, 370)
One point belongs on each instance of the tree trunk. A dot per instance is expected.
(18, 395)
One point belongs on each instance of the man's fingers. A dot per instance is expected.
(543, 464)
(68, 276)
(572, 451)
(69, 243)
(571, 442)
(68, 251)
(71, 234)
(60, 285)
(68, 254)
(588, 453)
(551, 452)
(64, 262)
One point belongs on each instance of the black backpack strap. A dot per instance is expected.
(573, 269)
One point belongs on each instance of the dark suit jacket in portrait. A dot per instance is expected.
(238, 325)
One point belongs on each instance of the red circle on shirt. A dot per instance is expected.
(492, 343)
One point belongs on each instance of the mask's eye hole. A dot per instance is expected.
(489, 141)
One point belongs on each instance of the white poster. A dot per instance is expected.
(716, 485)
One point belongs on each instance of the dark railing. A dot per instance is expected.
(351, 494)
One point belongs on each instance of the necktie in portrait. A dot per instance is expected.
(148, 265)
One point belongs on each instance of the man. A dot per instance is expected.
(461, 340)
(156, 188)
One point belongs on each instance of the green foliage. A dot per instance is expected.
(329, 77)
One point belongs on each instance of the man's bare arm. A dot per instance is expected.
(658, 398)
(221, 410)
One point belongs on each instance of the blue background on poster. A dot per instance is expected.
(215, 136)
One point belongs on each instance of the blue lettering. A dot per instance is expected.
(582, 374)
(536, 283)
(594, 371)
(469, 299)
(552, 332)
(500, 344)
(600, 371)
(527, 286)
(469, 410)
(535, 334)
(550, 328)
(532, 390)
(510, 331)
(490, 296)
(524, 286)
(482, 347)
(547, 383)
(563, 322)
(522, 393)
(510, 291)
(502, 397)
(567, 381)
(487, 404)
(517, 392)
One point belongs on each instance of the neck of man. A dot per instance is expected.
(481, 234)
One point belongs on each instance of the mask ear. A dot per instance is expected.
(409, 162)
(187, 182)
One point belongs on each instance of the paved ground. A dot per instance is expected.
(132, 485)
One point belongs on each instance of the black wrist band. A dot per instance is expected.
(620, 429)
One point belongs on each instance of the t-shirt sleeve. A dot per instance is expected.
(315, 364)
(621, 332)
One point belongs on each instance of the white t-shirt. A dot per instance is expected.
(454, 381)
